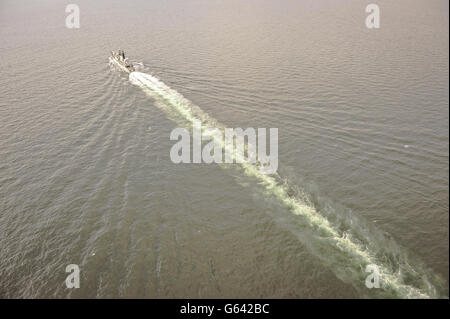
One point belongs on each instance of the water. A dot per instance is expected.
(86, 177)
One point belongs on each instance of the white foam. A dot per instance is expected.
(332, 245)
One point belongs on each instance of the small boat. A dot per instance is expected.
(118, 59)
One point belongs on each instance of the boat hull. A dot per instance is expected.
(119, 65)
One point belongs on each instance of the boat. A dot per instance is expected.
(118, 59)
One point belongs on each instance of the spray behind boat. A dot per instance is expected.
(347, 250)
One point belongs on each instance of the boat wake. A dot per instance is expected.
(345, 244)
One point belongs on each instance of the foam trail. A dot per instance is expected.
(345, 252)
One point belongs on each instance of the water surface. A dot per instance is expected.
(86, 177)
